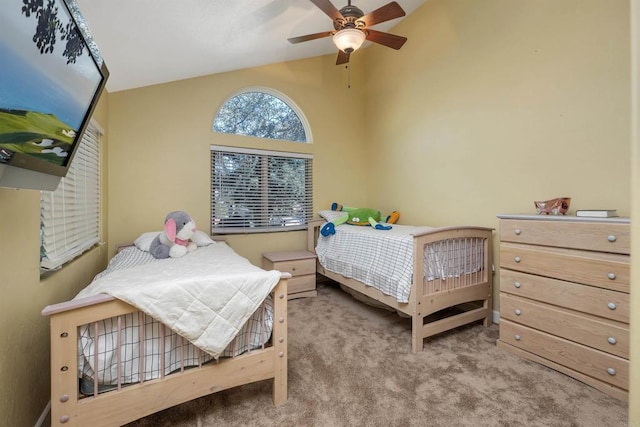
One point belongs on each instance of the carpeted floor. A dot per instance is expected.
(351, 364)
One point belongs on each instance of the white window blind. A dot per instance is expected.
(70, 215)
(259, 190)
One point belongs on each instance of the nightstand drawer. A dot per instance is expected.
(594, 363)
(296, 267)
(609, 271)
(604, 237)
(301, 284)
(587, 299)
(608, 336)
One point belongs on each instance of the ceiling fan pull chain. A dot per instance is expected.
(348, 76)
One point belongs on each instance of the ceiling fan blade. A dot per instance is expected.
(385, 13)
(327, 7)
(386, 39)
(308, 37)
(343, 58)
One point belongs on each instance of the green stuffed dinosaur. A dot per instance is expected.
(358, 216)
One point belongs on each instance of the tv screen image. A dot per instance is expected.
(50, 82)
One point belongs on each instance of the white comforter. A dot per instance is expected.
(205, 296)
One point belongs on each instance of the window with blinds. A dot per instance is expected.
(70, 215)
(260, 191)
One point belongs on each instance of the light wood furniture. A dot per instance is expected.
(564, 296)
(126, 404)
(302, 267)
(429, 300)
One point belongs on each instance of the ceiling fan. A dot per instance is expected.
(352, 27)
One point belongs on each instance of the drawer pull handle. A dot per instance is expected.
(517, 337)
(517, 285)
(517, 231)
(612, 340)
(611, 276)
(611, 238)
(611, 371)
(517, 259)
(611, 305)
(517, 312)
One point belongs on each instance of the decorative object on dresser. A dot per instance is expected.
(302, 267)
(564, 296)
(597, 213)
(557, 206)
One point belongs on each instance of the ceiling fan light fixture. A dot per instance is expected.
(349, 40)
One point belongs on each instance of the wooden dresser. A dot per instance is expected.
(564, 296)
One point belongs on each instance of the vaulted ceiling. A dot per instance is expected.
(145, 42)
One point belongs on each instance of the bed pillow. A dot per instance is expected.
(202, 239)
(144, 241)
(331, 215)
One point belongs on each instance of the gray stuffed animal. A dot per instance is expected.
(174, 241)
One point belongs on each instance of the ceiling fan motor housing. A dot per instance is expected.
(351, 15)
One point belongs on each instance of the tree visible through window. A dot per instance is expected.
(260, 114)
(260, 190)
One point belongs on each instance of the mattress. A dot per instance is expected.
(383, 259)
(148, 349)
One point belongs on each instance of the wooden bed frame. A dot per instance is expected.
(470, 294)
(131, 402)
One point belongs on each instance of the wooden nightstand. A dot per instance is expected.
(300, 264)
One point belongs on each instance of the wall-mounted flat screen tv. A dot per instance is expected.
(51, 77)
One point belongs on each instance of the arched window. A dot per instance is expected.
(260, 190)
(262, 113)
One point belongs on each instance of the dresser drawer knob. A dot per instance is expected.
(612, 340)
(517, 231)
(611, 238)
(611, 276)
(517, 259)
(611, 305)
(517, 285)
(517, 337)
(517, 312)
(611, 371)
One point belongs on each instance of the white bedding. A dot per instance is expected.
(384, 258)
(205, 296)
(163, 351)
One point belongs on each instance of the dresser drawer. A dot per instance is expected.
(594, 363)
(587, 299)
(594, 236)
(611, 337)
(609, 271)
(301, 284)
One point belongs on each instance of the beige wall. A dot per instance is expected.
(24, 333)
(160, 136)
(489, 106)
(499, 103)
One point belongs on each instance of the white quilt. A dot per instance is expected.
(205, 296)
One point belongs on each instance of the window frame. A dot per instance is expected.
(265, 202)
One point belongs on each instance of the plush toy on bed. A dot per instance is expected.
(358, 216)
(175, 241)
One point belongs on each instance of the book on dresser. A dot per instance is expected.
(597, 213)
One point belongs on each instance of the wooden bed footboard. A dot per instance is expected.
(130, 402)
(440, 302)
